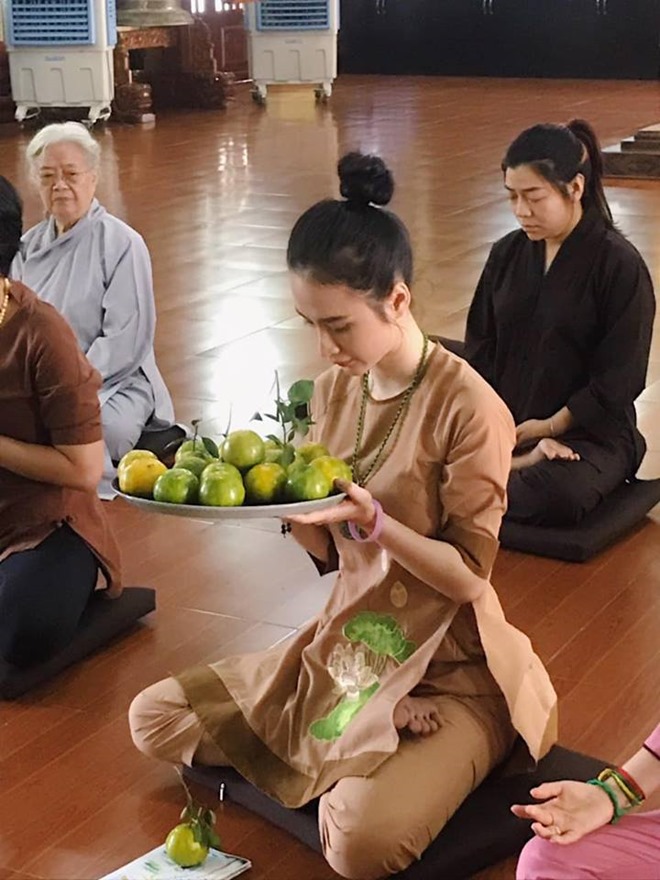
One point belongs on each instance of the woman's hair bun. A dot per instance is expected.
(365, 180)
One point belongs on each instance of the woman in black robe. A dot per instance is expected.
(560, 326)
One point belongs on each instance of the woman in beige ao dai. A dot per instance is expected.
(409, 687)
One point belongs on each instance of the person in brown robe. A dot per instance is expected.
(560, 325)
(54, 537)
(397, 700)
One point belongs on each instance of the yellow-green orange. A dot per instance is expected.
(264, 483)
(310, 451)
(133, 455)
(139, 476)
(183, 849)
(332, 468)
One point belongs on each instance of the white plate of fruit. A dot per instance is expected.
(245, 477)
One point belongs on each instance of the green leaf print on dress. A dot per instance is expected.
(356, 669)
(381, 633)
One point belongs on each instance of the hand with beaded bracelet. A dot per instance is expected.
(438, 563)
(572, 809)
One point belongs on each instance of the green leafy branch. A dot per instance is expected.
(200, 819)
(209, 444)
(292, 413)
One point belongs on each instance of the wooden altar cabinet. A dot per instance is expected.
(162, 67)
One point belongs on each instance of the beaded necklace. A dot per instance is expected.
(359, 477)
(5, 302)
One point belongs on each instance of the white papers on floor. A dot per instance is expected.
(157, 865)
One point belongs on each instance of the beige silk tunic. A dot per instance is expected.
(296, 718)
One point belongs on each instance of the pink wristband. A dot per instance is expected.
(374, 535)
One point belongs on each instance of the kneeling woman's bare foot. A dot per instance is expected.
(416, 714)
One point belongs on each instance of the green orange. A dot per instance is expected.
(333, 469)
(176, 486)
(307, 484)
(222, 469)
(217, 490)
(264, 483)
(243, 449)
(194, 447)
(191, 461)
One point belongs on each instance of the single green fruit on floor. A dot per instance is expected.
(182, 848)
(243, 449)
(307, 484)
(217, 490)
(176, 486)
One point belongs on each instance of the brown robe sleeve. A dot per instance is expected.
(67, 385)
(479, 436)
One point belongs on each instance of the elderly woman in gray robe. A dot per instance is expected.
(96, 271)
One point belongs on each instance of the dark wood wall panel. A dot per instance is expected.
(615, 39)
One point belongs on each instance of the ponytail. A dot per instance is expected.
(594, 194)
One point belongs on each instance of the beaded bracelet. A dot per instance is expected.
(374, 535)
(632, 783)
(626, 785)
(618, 812)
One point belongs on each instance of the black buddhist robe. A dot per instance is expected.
(577, 335)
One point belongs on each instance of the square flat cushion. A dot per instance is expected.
(482, 832)
(102, 620)
(623, 509)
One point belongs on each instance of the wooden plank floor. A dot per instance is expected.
(215, 195)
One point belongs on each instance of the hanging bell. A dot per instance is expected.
(151, 13)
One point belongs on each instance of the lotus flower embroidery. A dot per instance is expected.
(350, 671)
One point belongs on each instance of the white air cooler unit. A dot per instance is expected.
(292, 41)
(60, 54)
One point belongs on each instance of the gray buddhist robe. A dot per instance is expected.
(98, 276)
